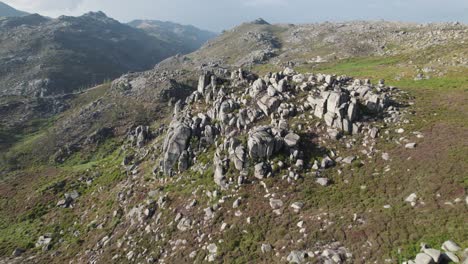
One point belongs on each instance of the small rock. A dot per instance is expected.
(410, 145)
(212, 248)
(276, 203)
(434, 253)
(412, 198)
(450, 246)
(296, 257)
(266, 248)
(18, 252)
(385, 156)
(236, 203)
(349, 160)
(327, 162)
(291, 139)
(322, 181)
(423, 258)
(297, 206)
(374, 132)
(261, 170)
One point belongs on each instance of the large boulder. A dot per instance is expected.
(282, 86)
(239, 158)
(219, 176)
(174, 145)
(376, 102)
(320, 103)
(335, 100)
(261, 142)
(257, 87)
(203, 82)
(261, 170)
(353, 112)
(268, 104)
(142, 135)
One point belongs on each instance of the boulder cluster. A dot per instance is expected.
(246, 120)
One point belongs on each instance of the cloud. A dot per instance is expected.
(261, 3)
(45, 5)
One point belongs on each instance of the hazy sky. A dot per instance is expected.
(217, 15)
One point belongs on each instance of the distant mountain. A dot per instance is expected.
(185, 37)
(40, 56)
(8, 11)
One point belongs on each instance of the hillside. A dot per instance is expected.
(8, 11)
(186, 38)
(320, 143)
(42, 57)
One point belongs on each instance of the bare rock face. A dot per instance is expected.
(174, 145)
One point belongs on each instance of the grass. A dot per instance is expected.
(439, 167)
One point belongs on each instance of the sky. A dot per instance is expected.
(218, 15)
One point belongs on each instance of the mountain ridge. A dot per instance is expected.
(101, 48)
(187, 37)
(8, 11)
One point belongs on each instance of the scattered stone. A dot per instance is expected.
(18, 252)
(291, 140)
(434, 253)
(322, 181)
(374, 132)
(212, 250)
(297, 206)
(412, 198)
(236, 203)
(276, 203)
(327, 162)
(349, 160)
(261, 170)
(450, 246)
(385, 156)
(184, 224)
(44, 242)
(410, 145)
(297, 257)
(423, 258)
(266, 248)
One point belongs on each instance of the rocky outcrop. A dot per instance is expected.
(230, 113)
(175, 145)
